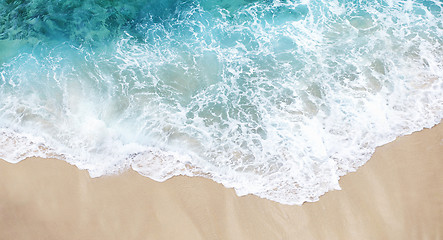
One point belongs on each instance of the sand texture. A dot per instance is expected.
(398, 194)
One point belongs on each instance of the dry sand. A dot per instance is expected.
(398, 194)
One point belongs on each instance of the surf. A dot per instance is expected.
(273, 98)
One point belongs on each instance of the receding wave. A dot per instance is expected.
(273, 98)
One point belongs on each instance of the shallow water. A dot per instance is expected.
(273, 98)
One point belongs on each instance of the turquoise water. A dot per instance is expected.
(274, 98)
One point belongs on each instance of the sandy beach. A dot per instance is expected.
(398, 194)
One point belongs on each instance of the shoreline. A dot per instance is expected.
(397, 194)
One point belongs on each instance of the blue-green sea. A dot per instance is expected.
(277, 98)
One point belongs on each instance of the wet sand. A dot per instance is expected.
(398, 194)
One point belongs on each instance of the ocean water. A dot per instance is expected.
(271, 97)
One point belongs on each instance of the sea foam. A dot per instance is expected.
(273, 98)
